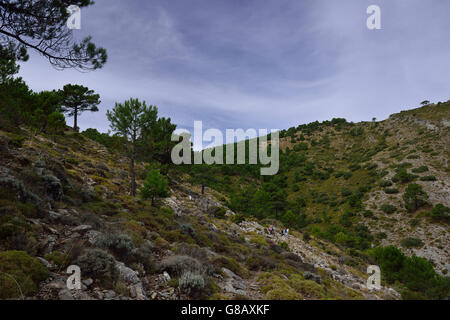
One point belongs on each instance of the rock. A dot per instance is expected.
(109, 294)
(53, 187)
(93, 235)
(57, 285)
(88, 282)
(54, 216)
(65, 295)
(84, 227)
(166, 276)
(47, 264)
(154, 294)
(127, 274)
(312, 276)
(99, 295)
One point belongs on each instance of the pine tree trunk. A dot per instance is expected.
(203, 188)
(75, 119)
(132, 173)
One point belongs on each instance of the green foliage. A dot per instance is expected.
(414, 197)
(388, 208)
(416, 273)
(191, 283)
(100, 265)
(391, 190)
(76, 99)
(56, 123)
(403, 176)
(420, 169)
(155, 186)
(441, 212)
(412, 243)
(43, 29)
(428, 178)
(19, 274)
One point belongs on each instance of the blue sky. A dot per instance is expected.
(261, 64)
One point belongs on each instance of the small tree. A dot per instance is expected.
(425, 103)
(414, 197)
(155, 186)
(77, 99)
(131, 120)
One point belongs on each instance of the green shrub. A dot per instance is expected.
(412, 243)
(388, 208)
(59, 259)
(440, 212)
(283, 294)
(428, 178)
(100, 265)
(391, 190)
(179, 264)
(420, 169)
(414, 197)
(385, 183)
(191, 283)
(19, 274)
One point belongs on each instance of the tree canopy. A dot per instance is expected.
(40, 25)
(77, 99)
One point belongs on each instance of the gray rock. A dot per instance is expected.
(88, 282)
(84, 227)
(65, 295)
(312, 276)
(127, 274)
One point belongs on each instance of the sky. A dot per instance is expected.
(268, 64)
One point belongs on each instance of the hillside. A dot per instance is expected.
(65, 200)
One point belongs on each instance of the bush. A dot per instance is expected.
(191, 283)
(388, 208)
(59, 259)
(385, 183)
(218, 212)
(420, 169)
(412, 243)
(428, 178)
(440, 212)
(179, 264)
(307, 288)
(283, 294)
(100, 265)
(414, 197)
(391, 190)
(19, 274)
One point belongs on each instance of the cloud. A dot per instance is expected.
(253, 64)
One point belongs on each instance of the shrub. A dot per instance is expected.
(307, 288)
(100, 265)
(59, 259)
(391, 190)
(440, 212)
(420, 169)
(428, 178)
(179, 264)
(218, 212)
(414, 197)
(385, 183)
(412, 243)
(191, 283)
(388, 208)
(283, 294)
(19, 274)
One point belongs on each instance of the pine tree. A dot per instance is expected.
(77, 99)
(132, 119)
